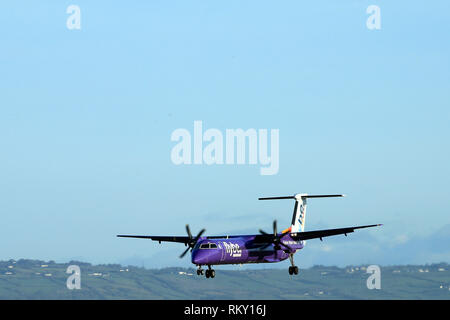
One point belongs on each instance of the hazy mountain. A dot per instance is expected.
(35, 279)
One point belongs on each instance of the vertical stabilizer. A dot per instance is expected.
(299, 215)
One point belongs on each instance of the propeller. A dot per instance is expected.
(192, 241)
(275, 238)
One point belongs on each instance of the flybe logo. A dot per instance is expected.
(232, 249)
(302, 214)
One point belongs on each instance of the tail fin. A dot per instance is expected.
(299, 215)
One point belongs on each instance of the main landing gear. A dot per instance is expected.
(209, 273)
(293, 269)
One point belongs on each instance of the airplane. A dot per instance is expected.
(256, 248)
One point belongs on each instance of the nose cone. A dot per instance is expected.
(200, 257)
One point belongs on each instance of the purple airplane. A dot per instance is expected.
(256, 248)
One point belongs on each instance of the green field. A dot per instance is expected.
(33, 279)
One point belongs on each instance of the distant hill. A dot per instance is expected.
(34, 279)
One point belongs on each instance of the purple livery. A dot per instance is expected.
(257, 248)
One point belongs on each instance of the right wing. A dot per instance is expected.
(326, 233)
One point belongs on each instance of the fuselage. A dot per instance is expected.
(241, 249)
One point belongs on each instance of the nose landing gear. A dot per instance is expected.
(199, 271)
(210, 273)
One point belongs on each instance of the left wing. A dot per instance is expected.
(184, 239)
(327, 232)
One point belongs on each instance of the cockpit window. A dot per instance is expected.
(208, 246)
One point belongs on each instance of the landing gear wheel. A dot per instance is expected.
(207, 273)
(295, 269)
(199, 271)
(212, 273)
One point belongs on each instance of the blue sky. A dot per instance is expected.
(86, 118)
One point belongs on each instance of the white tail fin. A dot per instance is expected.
(299, 215)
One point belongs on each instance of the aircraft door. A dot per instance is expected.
(222, 250)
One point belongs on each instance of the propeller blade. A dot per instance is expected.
(199, 234)
(184, 253)
(192, 241)
(275, 238)
(188, 231)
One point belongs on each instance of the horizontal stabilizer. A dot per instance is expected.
(300, 195)
(323, 195)
(277, 198)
